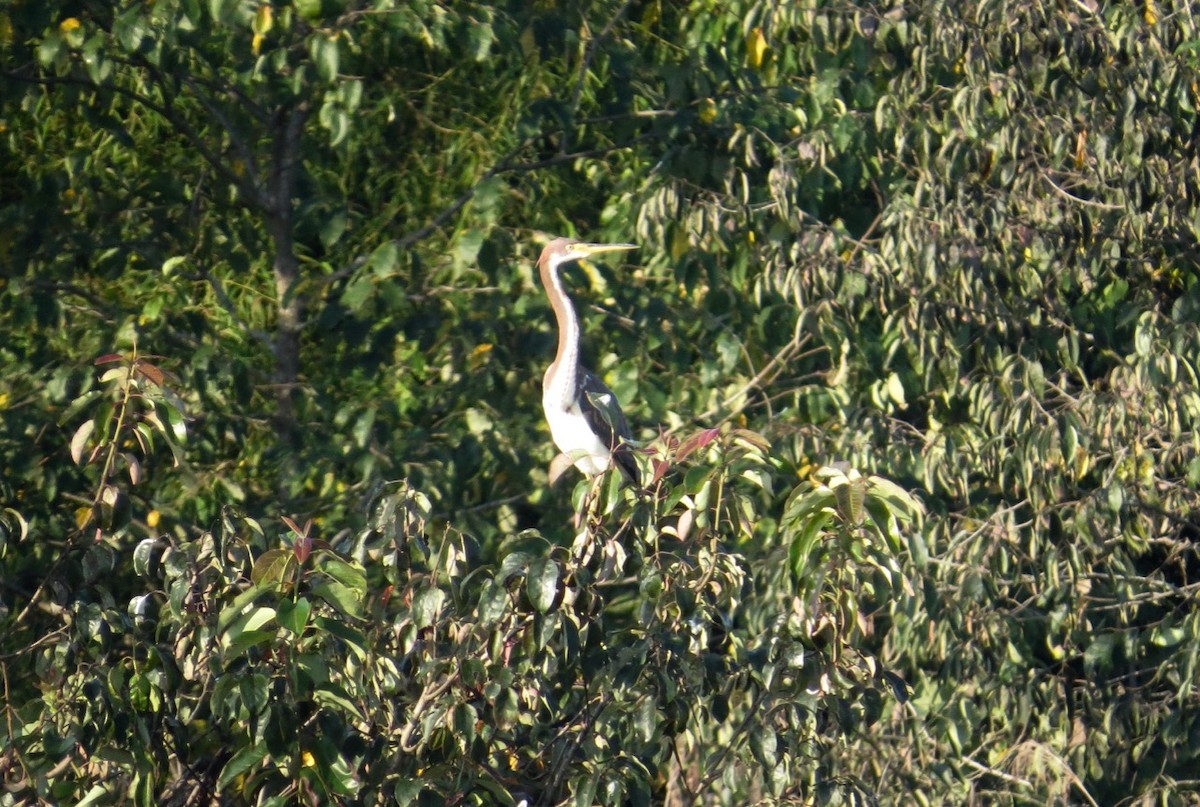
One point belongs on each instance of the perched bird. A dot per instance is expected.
(585, 418)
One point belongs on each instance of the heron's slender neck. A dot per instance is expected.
(563, 372)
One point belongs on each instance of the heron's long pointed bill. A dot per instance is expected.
(588, 250)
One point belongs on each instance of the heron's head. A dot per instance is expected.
(564, 250)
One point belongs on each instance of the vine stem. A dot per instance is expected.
(109, 462)
(115, 442)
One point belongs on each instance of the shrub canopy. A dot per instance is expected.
(910, 344)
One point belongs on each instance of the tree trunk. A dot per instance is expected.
(289, 296)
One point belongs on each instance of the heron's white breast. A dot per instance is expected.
(575, 438)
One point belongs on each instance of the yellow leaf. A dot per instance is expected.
(3, 400)
(69, 24)
(256, 44)
(479, 356)
(308, 760)
(152, 519)
(528, 43)
(1150, 12)
(1082, 463)
(756, 48)
(82, 516)
(263, 19)
(679, 243)
(708, 110)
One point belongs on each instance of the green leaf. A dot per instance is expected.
(850, 499)
(224, 12)
(143, 557)
(541, 583)
(345, 573)
(1099, 652)
(465, 718)
(801, 552)
(253, 619)
(427, 606)
(333, 228)
(93, 796)
(237, 607)
(340, 596)
(294, 615)
(353, 638)
(178, 426)
(336, 698)
(273, 567)
(51, 50)
(902, 504)
(645, 719)
(480, 37)
(171, 264)
(585, 789)
(241, 641)
(241, 762)
(407, 791)
(78, 405)
(98, 561)
(764, 745)
(493, 603)
(514, 564)
(254, 693)
(384, 259)
(357, 292)
(324, 50)
(466, 248)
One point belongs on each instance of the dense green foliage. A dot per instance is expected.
(911, 342)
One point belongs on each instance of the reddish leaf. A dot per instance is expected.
(302, 548)
(698, 440)
(303, 533)
(109, 358)
(150, 371)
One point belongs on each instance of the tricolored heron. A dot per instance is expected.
(585, 418)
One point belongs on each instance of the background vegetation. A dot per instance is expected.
(911, 338)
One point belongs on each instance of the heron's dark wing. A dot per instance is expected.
(603, 414)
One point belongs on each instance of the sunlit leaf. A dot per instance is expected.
(427, 605)
(273, 567)
(79, 440)
(246, 758)
(542, 583)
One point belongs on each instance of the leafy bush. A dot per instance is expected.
(946, 245)
(398, 664)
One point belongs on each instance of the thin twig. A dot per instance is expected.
(1068, 195)
(781, 357)
(165, 111)
(590, 53)
(1008, 777)
(505, 166)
